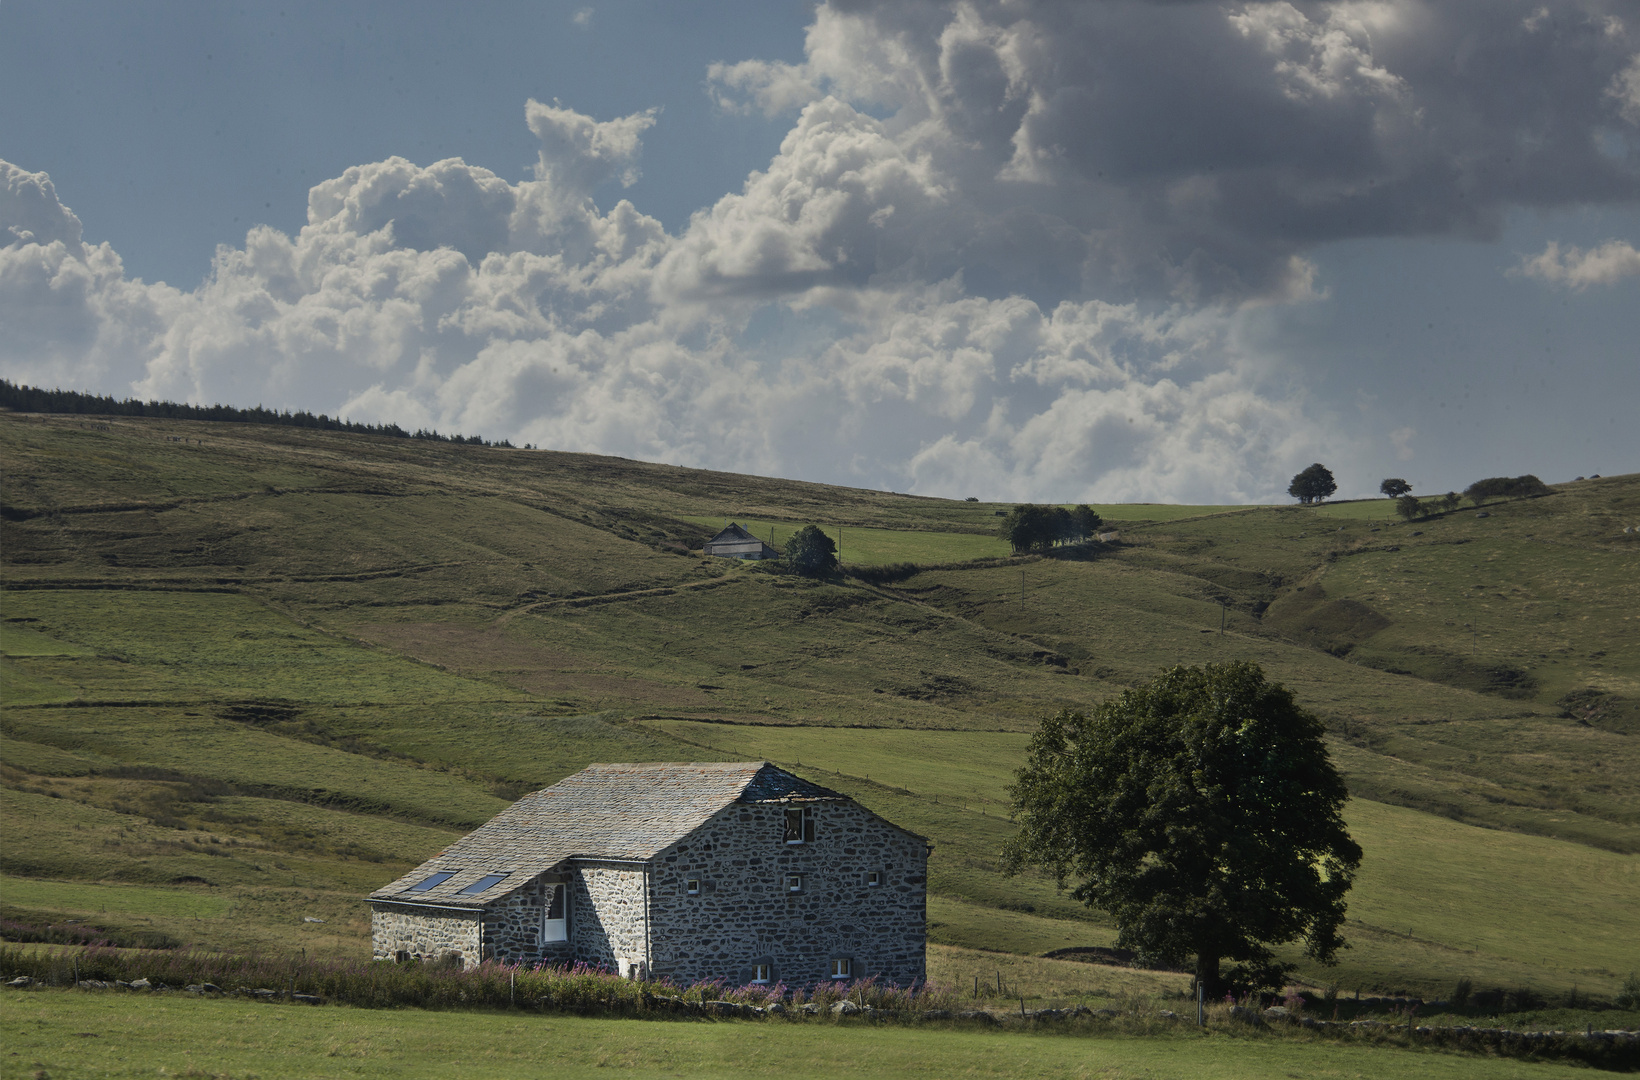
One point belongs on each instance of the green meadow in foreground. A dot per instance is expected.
(65, 1033)
(248, 679)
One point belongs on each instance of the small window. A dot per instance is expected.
(761, 973)
(842, 968)
(794, 882)
(691, 887)
(486, 882)
(874, 878)
(794, 826)
(433, 882)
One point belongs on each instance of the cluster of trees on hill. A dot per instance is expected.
(1029, 527)
(33, 399)
(1316, 483)
(1410, 507)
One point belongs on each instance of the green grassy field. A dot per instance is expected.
(67, 1033)
(279, 667)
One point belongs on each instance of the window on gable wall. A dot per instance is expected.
(874, 878)
(761, 972)
(842, 968)
(794, 882)
(799, 826)
(691, 886)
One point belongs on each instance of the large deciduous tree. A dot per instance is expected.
(1394, 487)
(1203, 813)
(1313, 484)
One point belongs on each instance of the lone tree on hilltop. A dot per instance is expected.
(1203, 813)
(811, 552)
(1394, 487)
(1313, 484)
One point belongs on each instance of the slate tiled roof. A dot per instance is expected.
(735, 542)
(602, 812)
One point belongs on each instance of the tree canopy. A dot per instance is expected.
(1409, 507)
(1394, 487)
(1029, 527)
(1505, 487)
(1313, 484)
(1203, 813)
(811, 552)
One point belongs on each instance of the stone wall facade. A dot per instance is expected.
(409, 932)
(609, 915)
(746, 912)
(512, 926)
(853, 889)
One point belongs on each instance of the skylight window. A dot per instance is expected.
(485, 882)
(433, 882)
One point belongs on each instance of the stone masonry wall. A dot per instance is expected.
(607, 917)
(512, 927)
(423, 933)
(746, 914)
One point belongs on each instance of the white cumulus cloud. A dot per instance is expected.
(1005, 249)
(1579, 268)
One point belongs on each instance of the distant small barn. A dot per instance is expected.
(736, 543)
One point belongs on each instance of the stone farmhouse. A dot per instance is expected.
(701, 871)
(736, 543)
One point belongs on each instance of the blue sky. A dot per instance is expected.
(1028, 250)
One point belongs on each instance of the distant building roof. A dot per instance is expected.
(735, 542)
(627, 812)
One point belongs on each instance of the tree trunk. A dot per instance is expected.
(1207, 977)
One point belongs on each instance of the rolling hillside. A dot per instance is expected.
(252, 672)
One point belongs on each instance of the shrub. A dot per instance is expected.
(1629, 996)
(1460, 993)
(580, 988)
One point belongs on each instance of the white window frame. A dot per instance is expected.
(763, 974)
(794, 883)
(691, 886)
(842, 968)
(554, 930)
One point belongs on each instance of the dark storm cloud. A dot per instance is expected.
(1195, 148)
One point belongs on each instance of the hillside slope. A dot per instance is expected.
(286, 662)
